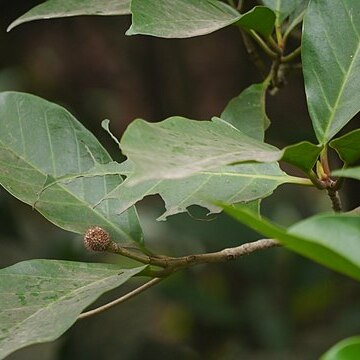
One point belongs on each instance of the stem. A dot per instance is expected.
(263, 44)
(171, 264)
(293, 55)
(299, 181)
(274, 45)
(335, 200)
(279, 37)
(120, 300)
(253, 54)
(315, 180)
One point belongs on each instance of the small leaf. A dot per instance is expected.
(247, 112)
(260, 18)
(296, 16)
(353, 173)
(41, 142)
(180, 18)
(282, 8)
(329, 239)
(347, 349)
(178, 147)
(65, 8)
(41, 299)
(302, 155)
(331, 63)
(348, 147)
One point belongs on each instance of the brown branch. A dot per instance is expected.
(253, 54)
(120, 300)
(335, 199)
(176, 263)
(168, 264)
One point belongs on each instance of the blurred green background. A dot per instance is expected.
(270, 305)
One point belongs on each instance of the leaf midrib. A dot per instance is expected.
(342, 88)
(66, 190)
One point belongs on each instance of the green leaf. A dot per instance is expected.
(41, 141)
(179, 147)
(180, 18)
(260, 18)
(65, 8)
(347, 349)
(331, 63)
(247, 112)
(296, 16)
(231, 184)
(348, 147)
(329, 239)
(282, 8)
(353, 173)
(303, 155)
(41, 299)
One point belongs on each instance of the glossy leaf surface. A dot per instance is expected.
(347, 349)
(331, 64)
(260, 18)
(348, 147)
(302, 155)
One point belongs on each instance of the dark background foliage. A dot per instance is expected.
(273, 305)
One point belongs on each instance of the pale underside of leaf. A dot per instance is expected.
(178, 147)
(353, 173)
(65, 8)
(180, 18)
(331, 62)
(282, 8)
(232, 184)
(40, 140)
(41, 299)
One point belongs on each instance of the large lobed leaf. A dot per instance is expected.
(179, 147)
(40, 142)
(329, 239)
(331, 63)
(41, 299)
(65, 8)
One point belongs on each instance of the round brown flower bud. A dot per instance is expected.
(96, 239)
